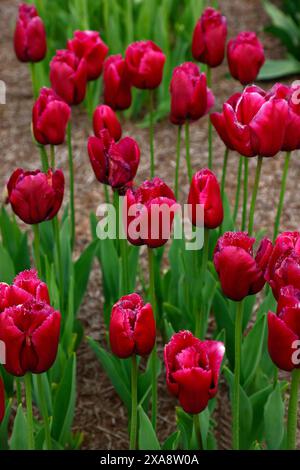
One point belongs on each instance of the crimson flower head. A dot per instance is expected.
(190, 97)
(192, 370)
(68, 76)
(209, 38)
(253, 123)
(245, 55)
(145, 62)
(205, 190)
(30, 36)
(113, 163)
(30, 332)
(241, 273)
(284, 329)
(2, 400)
(105, 118)
(36, 196)
(132, 327)
(50, 116)
(116, 82)
(89, 45)
(150, 213)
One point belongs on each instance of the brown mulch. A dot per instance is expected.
(99, 413)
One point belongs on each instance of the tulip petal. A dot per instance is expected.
(280, 341)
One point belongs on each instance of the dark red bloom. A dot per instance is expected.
(105, 118)
(30, 332)
(30, 36)
(190, 97)
(145, 62)
(132, 327)
(68, 76)
(150, 213)
(245, 55)
(36, 196)
(50, 116)
(2, 401)
(209, 38)
(116, 82)
(241, 273)
(192, 370)
(89, 45)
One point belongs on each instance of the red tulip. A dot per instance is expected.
(253, 123)
(145, 62)
(132, 327)
(116, 82)
(2, 401)
(30, 36)
(241, 273)
(89, 45)
(245, 55)
(205, 190)
(36, 196)
(113, 163)
(30, 332)
(50, 115)
(150, 213)
(190, 98)
(209, 38)
(105, 118)
(284, 330)
(192, 370)
(68, 76)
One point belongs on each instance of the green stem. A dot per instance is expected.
(293, 411)
(200, 315)
(187, 150)
(237, 372)
(36, 248)
(275, 378)
(44, 158)
(254, 194)
(33, 79)
(245, 196)
(52, 156)
(117, 210)
(44, 411)
(224, 172)
(18, 390)
(153, 354)
(133, 424)
(282, 193)
(238, 190)
(124, 255)
(151, 131)
(28, 393)
(177, 161)
(197, 431)
(55, 223)
(210, 153)
(71, 174)
(106, 194)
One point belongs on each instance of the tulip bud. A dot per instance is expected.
(209, 38)
(190, 98)
(68, 76)
(2, 401)
(145, 62)
(105, 118)
(50, 115)
(240, 273)
(30, 333)
(132, 327)
(192, 370)
(89, 45)
(116, 82)
(36, 196)
(30, 36)
(245, 55)
(205, 190)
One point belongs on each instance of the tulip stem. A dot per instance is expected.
(224, 172)
(238, 190)
(28, 393)
(153, 353)
(36, 248)
(133, 424)
(71, 174)
(106, 194)
(237, 372)
(199, 328)
(293, 411)
(187, 150)
(44, 411)
(254, 194)
(124, 255)
(151, 131)
(52, 156)
(117, 210)
(210, 156)
(197, 431)
(282, 193)
(44, 158)
(19, 391)
(177, 160)
(33, 79)
(55, 224)
(245, 196)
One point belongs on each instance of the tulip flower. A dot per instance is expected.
(2, 401)
(145, 62)
(241, 274)
(30, 36)
(113, 163)
(116, 82)
(36, 196)
(68, 76)
(245, 55)
(105, 118)
(205, 190)
(30, 332)
(209, 38)
(89, 45)
(50, 116)
(192, 370)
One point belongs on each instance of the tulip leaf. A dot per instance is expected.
(19, 437)
(7, 270)
(82, 270)
(274, 418)
(171, 443)
(224, 322)
(147, 437)
(258, 401)
(4, 426)
(252, 350)
(273, 69)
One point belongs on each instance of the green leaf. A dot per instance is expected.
(273, 69)
(7, 270)
(281, 20)
(251, 351)
(274, 419)
(19, 437)
(82, 270)
(4, 426)
(147, 437)
(171, 443)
